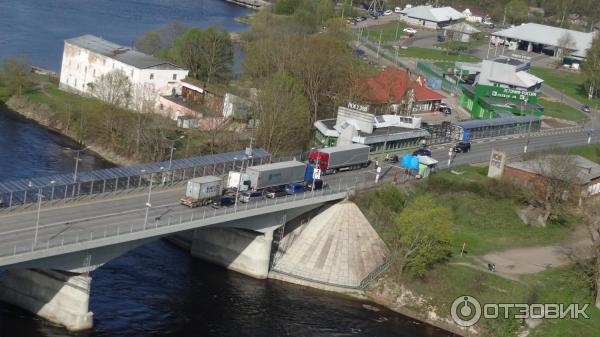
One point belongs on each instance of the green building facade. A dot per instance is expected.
(484, 101)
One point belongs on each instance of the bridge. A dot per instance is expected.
(48, 252)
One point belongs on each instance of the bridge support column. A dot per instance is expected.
(244, 251)
(58, 296)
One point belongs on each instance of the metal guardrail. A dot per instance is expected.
(340, 185)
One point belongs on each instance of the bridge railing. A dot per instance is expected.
(345, 185)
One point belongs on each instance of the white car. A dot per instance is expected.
(397, 9)
(409, 30)
(388, 12)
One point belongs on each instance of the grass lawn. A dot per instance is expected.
(387, 32)
(568, 82)
(563, 111)
(591, 152)
(444, 66)
(434, 54)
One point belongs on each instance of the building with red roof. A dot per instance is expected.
(394, 88)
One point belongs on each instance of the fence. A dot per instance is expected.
(425, 69)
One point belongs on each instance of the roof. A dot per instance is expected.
(588, 170)
(326, 126)
(273, 166)
(429, 13)
(548, 35)
(120, 53)
(125, 171)
(507, 71)
(462, 27)
(478, 123)
(391, 84)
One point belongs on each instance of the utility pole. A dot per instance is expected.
(379, 44)
(504, 18)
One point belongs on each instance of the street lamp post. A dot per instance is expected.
(37, 220)
(173, 141)
(148, 204)
(237, 191)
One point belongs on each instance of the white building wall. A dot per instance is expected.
(81, 67)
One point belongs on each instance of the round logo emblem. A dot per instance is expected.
(466, 311)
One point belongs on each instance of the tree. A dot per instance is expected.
(143, 101)
(559, 180)
(516, 11)
(282, 114)
(592, 220)
(421, 235)
(15, 74)
(591, 68)
(566, 43)
(114, 88)
(208, 54)
(150, 43)
(285, 7)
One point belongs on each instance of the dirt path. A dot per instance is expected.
(518, 261)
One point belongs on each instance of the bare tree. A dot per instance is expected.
(559, 180)
(592, 220)
(566, 43)
(114, 88)
(15, 73)
(143, 101)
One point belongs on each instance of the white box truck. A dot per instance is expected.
(234, 179)
(276, 174)
(201, 191)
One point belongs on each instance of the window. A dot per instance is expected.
(174, 77)
(151, 76)
(131, 72)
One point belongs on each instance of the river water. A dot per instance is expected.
(157, 289)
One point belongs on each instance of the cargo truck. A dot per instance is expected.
(237, 179)
(276, 174)
(202, 191)
(340, 158)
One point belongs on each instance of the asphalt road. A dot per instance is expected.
(94, 219)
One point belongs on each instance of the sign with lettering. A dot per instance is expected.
(508, 94)
(497, 162)
(359, 107)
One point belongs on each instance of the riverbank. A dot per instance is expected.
(41, 116)
(252, 4)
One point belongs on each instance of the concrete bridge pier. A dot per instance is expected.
(58, 296)
(244, 251)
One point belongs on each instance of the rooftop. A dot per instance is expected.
(391, 84)
(462, 27)
(428, 13)
(550, 36)
(120, 53)
(327, 126)
(588, 170)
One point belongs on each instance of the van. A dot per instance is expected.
(249, 196)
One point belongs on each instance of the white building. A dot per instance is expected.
(87, 57)
(431, 17)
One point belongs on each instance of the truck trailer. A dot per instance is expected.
(201, 191)
(340, 158)
(276, 174)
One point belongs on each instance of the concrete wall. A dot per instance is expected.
(60, 297)
(244, 251)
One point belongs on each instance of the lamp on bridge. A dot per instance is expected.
(148, 204)
(40, 196)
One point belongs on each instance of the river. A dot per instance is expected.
(157, 289)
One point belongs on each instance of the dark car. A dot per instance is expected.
(223, 201)
(295, 188)
(276, 193)
(441, 38)
(462, 147)
(422, 152)
(586, 108)
(318, 183)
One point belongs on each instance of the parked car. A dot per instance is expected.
(441, 38)
(295, 188)
(446, 111)
(397, 10)
(360, 18)
(249, 196)
(224, 201)
(462, 147)
(586, 108)
(422, 152)
(410, 30)
(276, 193)
(488, 24)
(388, 12)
